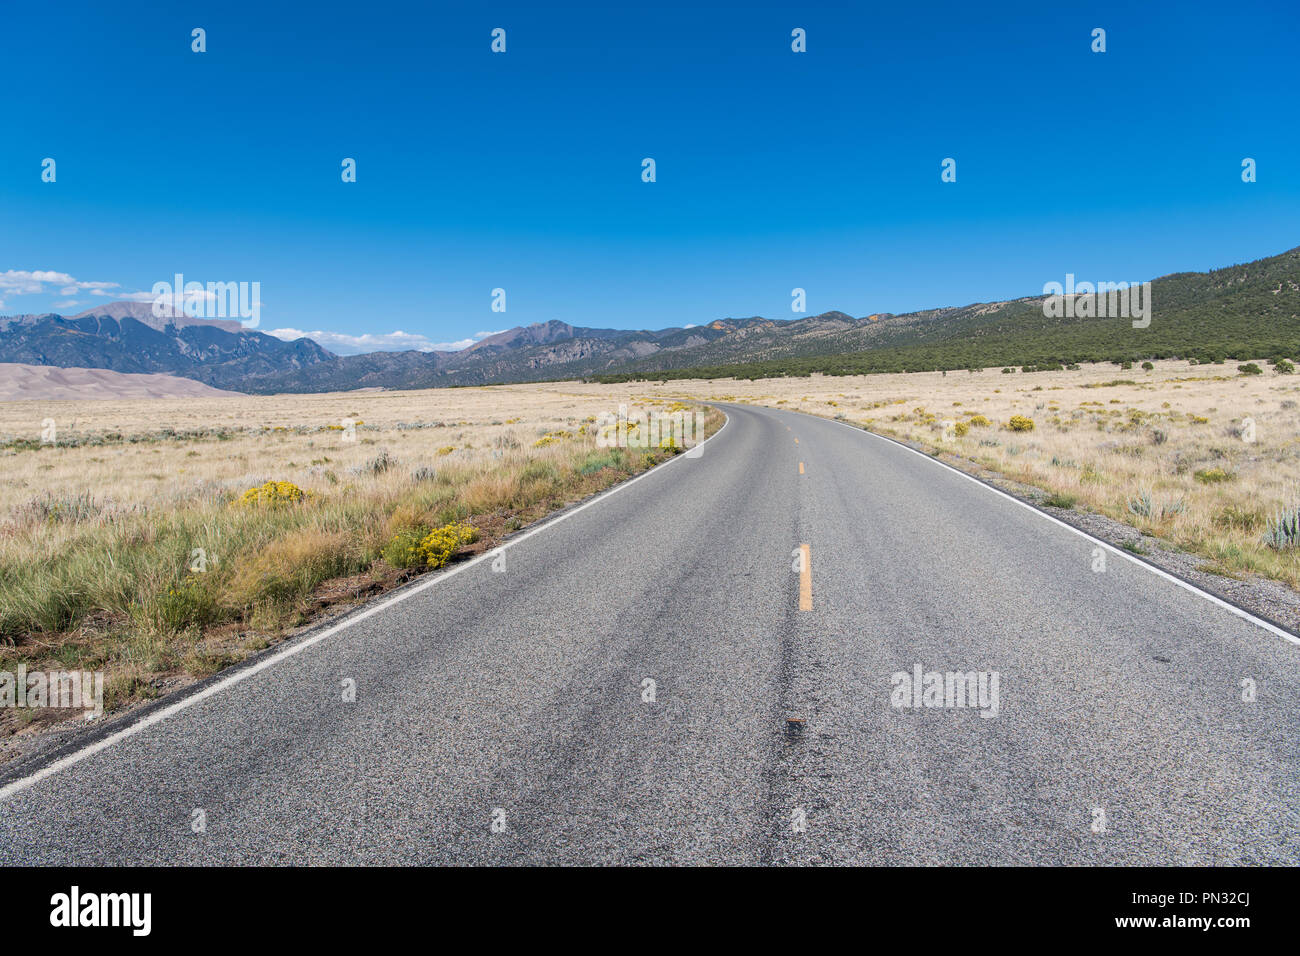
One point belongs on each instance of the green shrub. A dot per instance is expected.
(1141, 505)
(1234, 517)
(1284, 530)
(187, 604)
(402, 551)
(597, 461)
(1212, 476)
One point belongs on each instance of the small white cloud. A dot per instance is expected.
(65, 305)
(398, 341)
(25, 282)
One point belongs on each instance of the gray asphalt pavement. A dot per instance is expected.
(503, 718)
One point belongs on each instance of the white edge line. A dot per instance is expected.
(298, 647)
(1185, 585)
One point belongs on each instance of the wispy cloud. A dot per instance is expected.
(399, 341)
(47, 282)
(51, 282)
(34, 282)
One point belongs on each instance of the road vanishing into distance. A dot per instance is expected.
(785, 575)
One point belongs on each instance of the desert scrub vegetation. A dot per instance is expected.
(247, 536)
(1207, 457)
(273, 493)
(437, 547)
(1284, 530)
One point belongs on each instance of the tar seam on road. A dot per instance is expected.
(149, 718)
(1271, 626)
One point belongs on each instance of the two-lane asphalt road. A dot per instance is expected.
(508, 717)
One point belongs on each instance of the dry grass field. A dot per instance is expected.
(134, 543)
(1201, 456)
(132, 539)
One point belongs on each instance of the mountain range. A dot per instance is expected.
(1250, 310)
(127, 337)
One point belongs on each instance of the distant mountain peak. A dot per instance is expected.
(127, 337)
(539, 333)
(144, 312)
(834, 315)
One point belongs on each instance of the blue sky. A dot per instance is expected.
(522, 170)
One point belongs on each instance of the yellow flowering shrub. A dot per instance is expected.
(961, 428)
(441, 543)
(273, 493)
(1019, 423)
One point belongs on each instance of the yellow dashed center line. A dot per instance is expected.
(805, 578)
(796, 441)
(801, 468)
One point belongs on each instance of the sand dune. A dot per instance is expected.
(46, 383)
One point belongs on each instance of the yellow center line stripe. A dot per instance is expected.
(805, 578)
(796, 441)
(801, 468)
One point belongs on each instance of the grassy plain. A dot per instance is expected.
(100, 530)
(127, 543)
(1201, 456)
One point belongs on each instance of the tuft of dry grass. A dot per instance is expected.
(288, 569)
